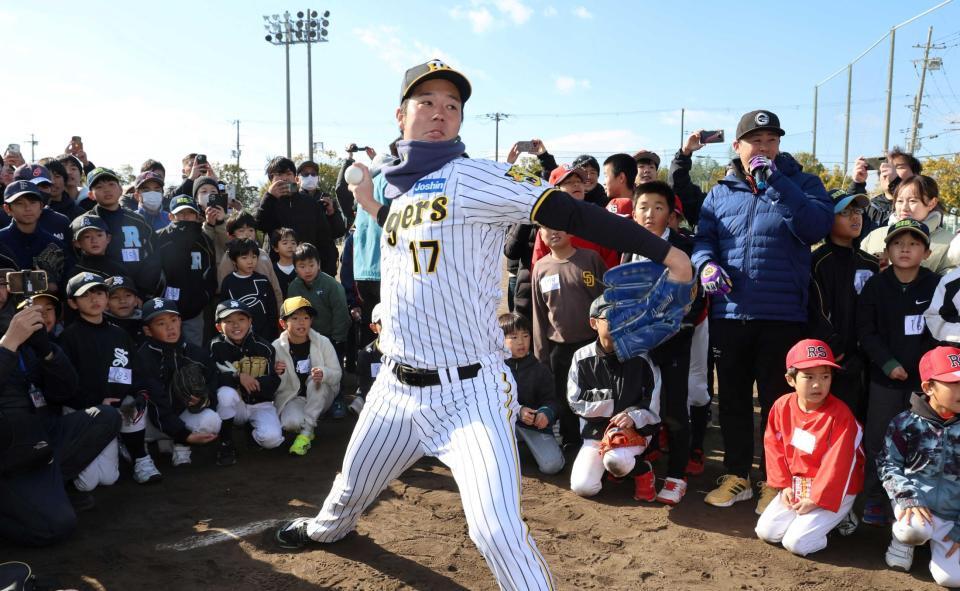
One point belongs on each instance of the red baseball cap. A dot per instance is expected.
(622, 206)
(810, 353)
(561, 173)
(941, 364)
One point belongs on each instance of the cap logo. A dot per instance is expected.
(954, 360)
(36, 171)
(434, 65)
(762, 118)
(234, 304)
(818, 352)
(157, 302)
(88, 277)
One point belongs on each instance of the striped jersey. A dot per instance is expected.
(440, 263)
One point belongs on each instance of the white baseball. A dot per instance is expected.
(353, 175)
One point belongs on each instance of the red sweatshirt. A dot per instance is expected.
(610, 257)
(823, 445)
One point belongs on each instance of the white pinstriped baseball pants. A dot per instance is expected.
(468, 425)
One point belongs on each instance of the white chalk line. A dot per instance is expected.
(216, 535)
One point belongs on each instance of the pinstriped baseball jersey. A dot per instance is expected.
(440, 269)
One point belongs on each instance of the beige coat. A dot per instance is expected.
(944, 246)
(319, 397)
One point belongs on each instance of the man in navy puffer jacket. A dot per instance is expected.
(752, 249)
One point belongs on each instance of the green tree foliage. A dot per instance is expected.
(530, 164)
(236, 177)
(946, 171)
(833, 178)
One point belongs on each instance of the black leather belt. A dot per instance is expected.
(422, 378)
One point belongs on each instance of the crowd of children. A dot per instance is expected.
(245, 314)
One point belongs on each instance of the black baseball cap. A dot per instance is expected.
(18, 189)
(228, 307)
(42, 294)
(759, 120)
(120, 282)
(431, 70)
(157, 306)
(908, 225)
(81, 283)
(99, 173)
(842, 199)
(181, 202)
(87, 222)
(147, 176)
(599, 307)
(34, 173)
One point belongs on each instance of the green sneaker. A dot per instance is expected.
(301, 445)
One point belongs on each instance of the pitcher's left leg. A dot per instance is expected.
(482, 455)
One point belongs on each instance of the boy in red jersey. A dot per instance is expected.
(814, 455)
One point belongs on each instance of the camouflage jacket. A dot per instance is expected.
(920, 462)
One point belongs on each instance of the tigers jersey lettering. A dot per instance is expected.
(441, 244)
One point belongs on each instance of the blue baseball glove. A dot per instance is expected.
(645, 309)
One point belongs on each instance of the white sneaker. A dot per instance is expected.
(849, 524)
(356, 405)
(181, 455)
(899, 555)
(144, 471)
(672, 491)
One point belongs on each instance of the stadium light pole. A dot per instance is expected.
(311, 28)
(278, 33)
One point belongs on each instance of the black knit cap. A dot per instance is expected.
(204, 180)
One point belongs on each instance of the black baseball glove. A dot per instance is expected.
(189, 386)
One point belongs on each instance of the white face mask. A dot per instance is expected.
(309, 182)
(152, 200)
(203, 199)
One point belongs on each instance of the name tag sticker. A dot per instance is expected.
(36, 396)
(860, 279)
(130, 255)
(303, 366)
(172, 293)
(195, 260)
(374, 369)
(913, 325)
(120, 375)
(549, 283)
(803, 440)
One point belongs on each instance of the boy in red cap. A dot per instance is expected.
(814, 455)
(920, 470)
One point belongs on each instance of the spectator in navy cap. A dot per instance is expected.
(31, 246)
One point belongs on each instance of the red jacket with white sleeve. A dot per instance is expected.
(823, 445)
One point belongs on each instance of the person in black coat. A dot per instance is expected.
(535, 394)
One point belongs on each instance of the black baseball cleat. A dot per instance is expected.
(292, 535)
(226, 454)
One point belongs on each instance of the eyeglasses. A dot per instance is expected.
(851, 211)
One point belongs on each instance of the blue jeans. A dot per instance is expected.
(545, 449)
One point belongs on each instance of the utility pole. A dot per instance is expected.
(33, 142)
(918, 101)
(816, 91)
(236, 154)
(496, 117)
(886, 124)
(846, 133)
(683, 113)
